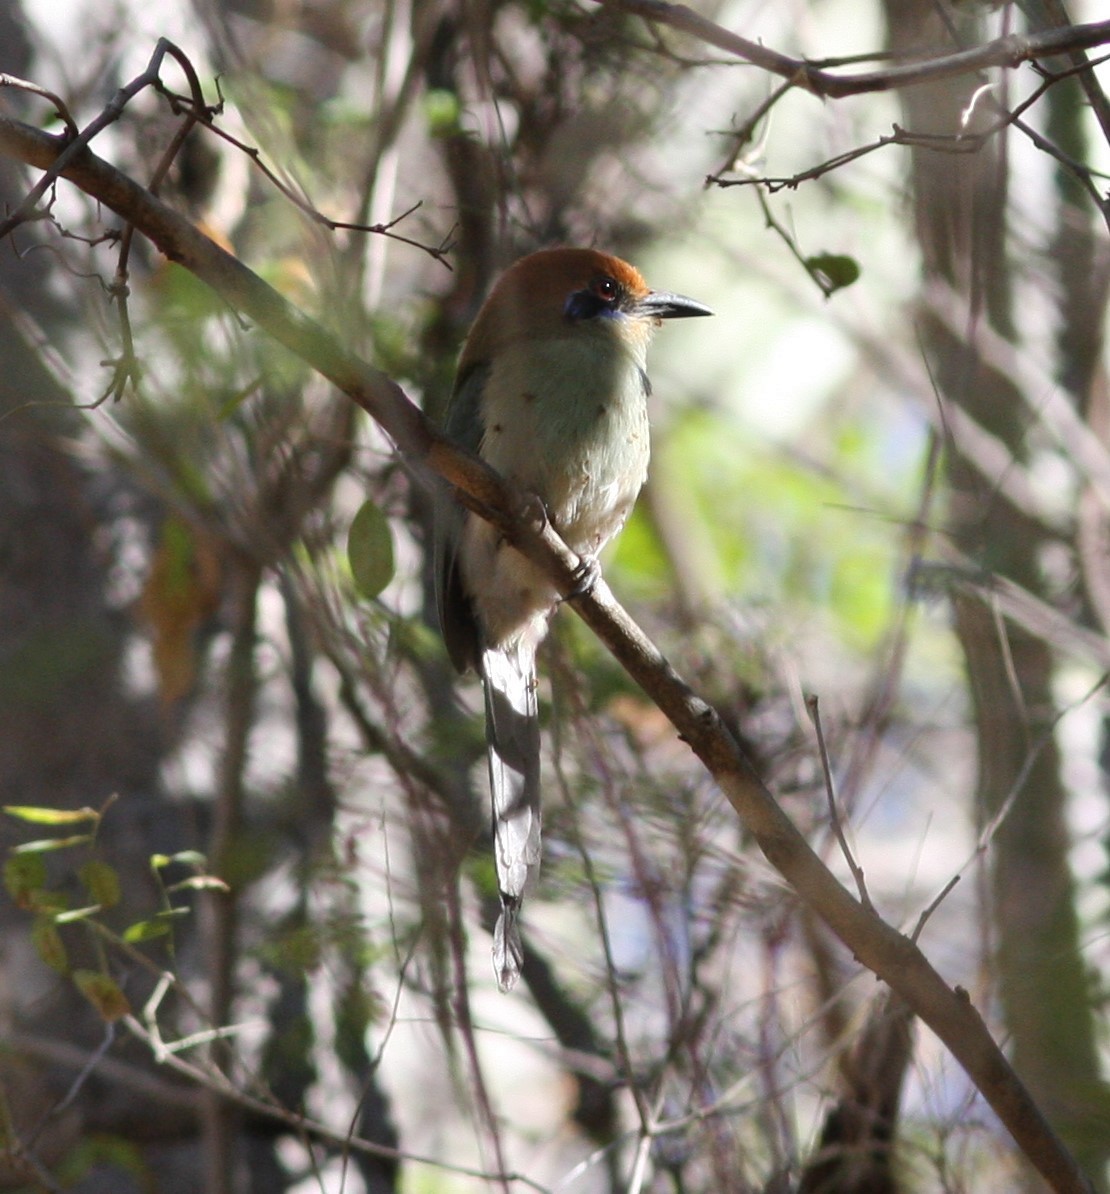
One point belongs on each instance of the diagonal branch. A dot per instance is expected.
(877, 945)
(1010, 50)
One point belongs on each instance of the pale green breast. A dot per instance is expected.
(566, 419)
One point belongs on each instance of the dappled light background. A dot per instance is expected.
(865, 504)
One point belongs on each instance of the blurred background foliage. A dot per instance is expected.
(216, 648)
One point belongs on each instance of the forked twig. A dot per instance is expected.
(112, 111)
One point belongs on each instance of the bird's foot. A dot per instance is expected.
(587, 572)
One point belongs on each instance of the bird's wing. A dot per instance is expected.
(464, 424)
(513, 748)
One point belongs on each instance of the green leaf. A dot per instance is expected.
(833, 271)
(24, 875)
(44, 844)
(48, 944)
(101, 882)
(185, 857)
(51, 816)
(146, 930)
(370, 550)
(156, 926)
(442, 111)
(103, 993)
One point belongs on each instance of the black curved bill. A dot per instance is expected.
(662, 305)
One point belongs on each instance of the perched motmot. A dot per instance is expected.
(551, 392)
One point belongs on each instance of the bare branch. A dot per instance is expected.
(955, 142)
(1009, 51)
(218, 1085)
(112, 111)
(385, 228)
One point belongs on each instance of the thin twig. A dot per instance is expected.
(991, 828)
(215, 1082)
(741, 136)
(126, 369)
(111, 112)
(83, 1075)
(7, 80)
(436, 252)
(822, 283)
(621, 1040)
(814, 709)
(958, 142)
(932, 906)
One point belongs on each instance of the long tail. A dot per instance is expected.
(513, 749)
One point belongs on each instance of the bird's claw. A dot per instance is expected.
(587, 572)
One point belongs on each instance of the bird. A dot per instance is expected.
(551, 391)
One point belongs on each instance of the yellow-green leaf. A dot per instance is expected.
(37, 815)
(147, 930)
(185, 857)
(442, 111)
(370, 550)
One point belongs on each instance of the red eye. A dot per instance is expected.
(606, 289)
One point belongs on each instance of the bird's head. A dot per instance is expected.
(560, 292)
